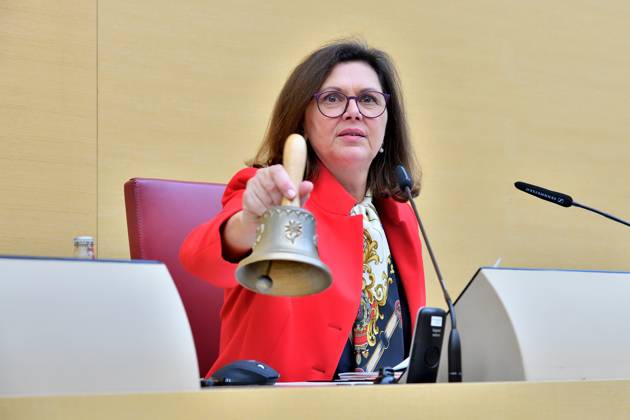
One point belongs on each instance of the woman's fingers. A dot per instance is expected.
(306, 187)
(282, 181)
(269, 190)
(252, 205)
(266, 189)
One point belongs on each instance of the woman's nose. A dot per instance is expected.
(352, 110)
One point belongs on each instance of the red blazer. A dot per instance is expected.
(303, 337)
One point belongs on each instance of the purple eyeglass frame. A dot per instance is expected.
(318, 94)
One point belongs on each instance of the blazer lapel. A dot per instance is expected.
(404, 243)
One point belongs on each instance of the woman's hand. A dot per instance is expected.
(264, 190)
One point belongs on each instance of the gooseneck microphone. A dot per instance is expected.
(561, 199)
(454, 342)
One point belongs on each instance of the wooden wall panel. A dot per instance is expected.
(533, 91)
(496, 92)
(48, 125)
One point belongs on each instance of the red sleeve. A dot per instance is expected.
(201, 252)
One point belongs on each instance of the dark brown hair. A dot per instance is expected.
(298, 91)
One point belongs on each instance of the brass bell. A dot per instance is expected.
(284, 259)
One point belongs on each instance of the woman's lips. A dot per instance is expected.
(351, 138)
(357, 132)
(352, 134)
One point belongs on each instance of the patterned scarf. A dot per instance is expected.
(377, 335)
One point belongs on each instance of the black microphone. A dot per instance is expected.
(454, 343)
(561, 199)
(545, 194)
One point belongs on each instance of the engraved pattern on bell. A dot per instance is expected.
(293, 230)
(259, 231)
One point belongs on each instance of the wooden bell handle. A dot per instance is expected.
(294, 161)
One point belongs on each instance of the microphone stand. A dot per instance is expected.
(601, 213)
(454, 342)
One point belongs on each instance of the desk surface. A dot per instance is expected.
(515, 400)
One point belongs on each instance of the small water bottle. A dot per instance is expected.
(84, 247)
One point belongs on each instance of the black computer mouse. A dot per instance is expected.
(244, 372)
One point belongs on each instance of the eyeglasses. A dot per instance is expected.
(333, 104)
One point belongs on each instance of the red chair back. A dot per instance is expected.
(160, 213)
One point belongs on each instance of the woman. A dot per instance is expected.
(345, 99)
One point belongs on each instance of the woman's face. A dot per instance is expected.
(350, 141)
